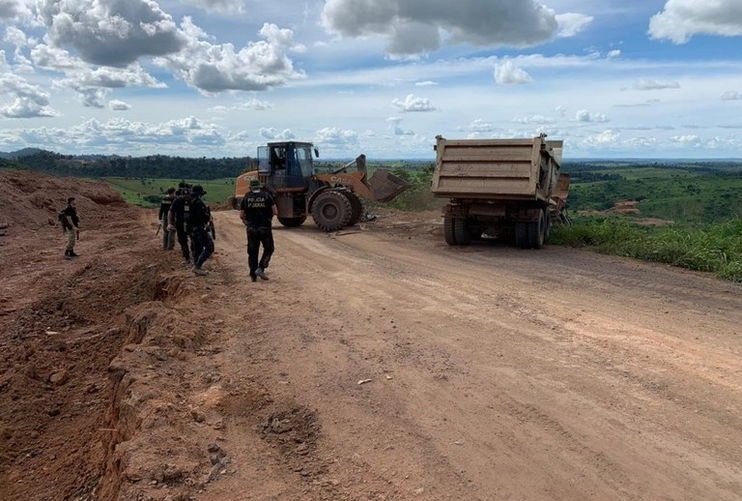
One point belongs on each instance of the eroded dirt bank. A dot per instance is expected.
(377, 363)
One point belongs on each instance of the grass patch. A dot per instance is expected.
(716, 248)
(146, 192)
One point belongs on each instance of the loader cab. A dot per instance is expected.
(287, 165)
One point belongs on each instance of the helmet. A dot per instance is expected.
(198, 191)
(255, 184)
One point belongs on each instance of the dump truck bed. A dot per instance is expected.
(508, 169)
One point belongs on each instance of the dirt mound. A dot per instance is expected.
(31, 200)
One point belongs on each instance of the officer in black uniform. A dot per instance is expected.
(256, 211)
(199, 219)
(177, 218)
(70, 226)
(168, 236)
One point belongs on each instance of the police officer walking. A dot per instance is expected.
(256, 211)
(199, 219)
(168, 236)
(70, 226)
(177, 218)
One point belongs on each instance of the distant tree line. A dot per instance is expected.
(152, 166)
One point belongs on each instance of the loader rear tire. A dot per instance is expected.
(448, 233)
(292, 222)
(461, 231)
(331, 210)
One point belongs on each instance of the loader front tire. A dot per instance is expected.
(356, 207)
(521, 235)
(331, 210)
(292, 222)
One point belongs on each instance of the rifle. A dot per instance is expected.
(159, 227)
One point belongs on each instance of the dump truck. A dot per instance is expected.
(334, 198)
(500, 188)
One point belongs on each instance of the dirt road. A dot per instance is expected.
(493, 373)
(376, 363)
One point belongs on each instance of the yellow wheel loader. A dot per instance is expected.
(334, 199)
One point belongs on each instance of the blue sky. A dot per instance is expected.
(613, 79)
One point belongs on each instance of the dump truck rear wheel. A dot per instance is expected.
(537, 232)
(356, 207)
(331, 210)
(292, 222)
(461, 231)
(448, 233)
(521, 235)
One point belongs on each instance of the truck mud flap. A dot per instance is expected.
(385, 186)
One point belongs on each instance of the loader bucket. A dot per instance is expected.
(385, 186)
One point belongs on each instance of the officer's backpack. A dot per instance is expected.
(61, 216)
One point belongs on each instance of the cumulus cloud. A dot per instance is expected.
(648, 84)
(534, 119)
(507, 73)
(688, 139)
(113, 32)
(413, 103)
(336, 137)
(216, 68)
(731, 95)
(418, 26)
(682, 19)
(117, 105)
(426, 83)
(396, 127)
(479, 125)
(13, 9)
(219, 6)
(588, 117)
(26, 100)
(607, 138)
(572, 23)
(272, 134)
(613, 54)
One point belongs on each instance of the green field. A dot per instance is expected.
(146, 192)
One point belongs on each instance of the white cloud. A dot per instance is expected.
(13, 9)
(272, 134)
(682, 19)
(117, 105)
(111, 33)
(534, 119)
(396, 128)
(689, 139)
(413, 103)
(508, 73)
(426, 83)
(648, 84)
(216, 68)
(27, 100)
(587, 117)
(219, 6)
(336, 136)
(417, 26)
(572, 23)
(614, 54)
(479, 125)
(731, 95)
